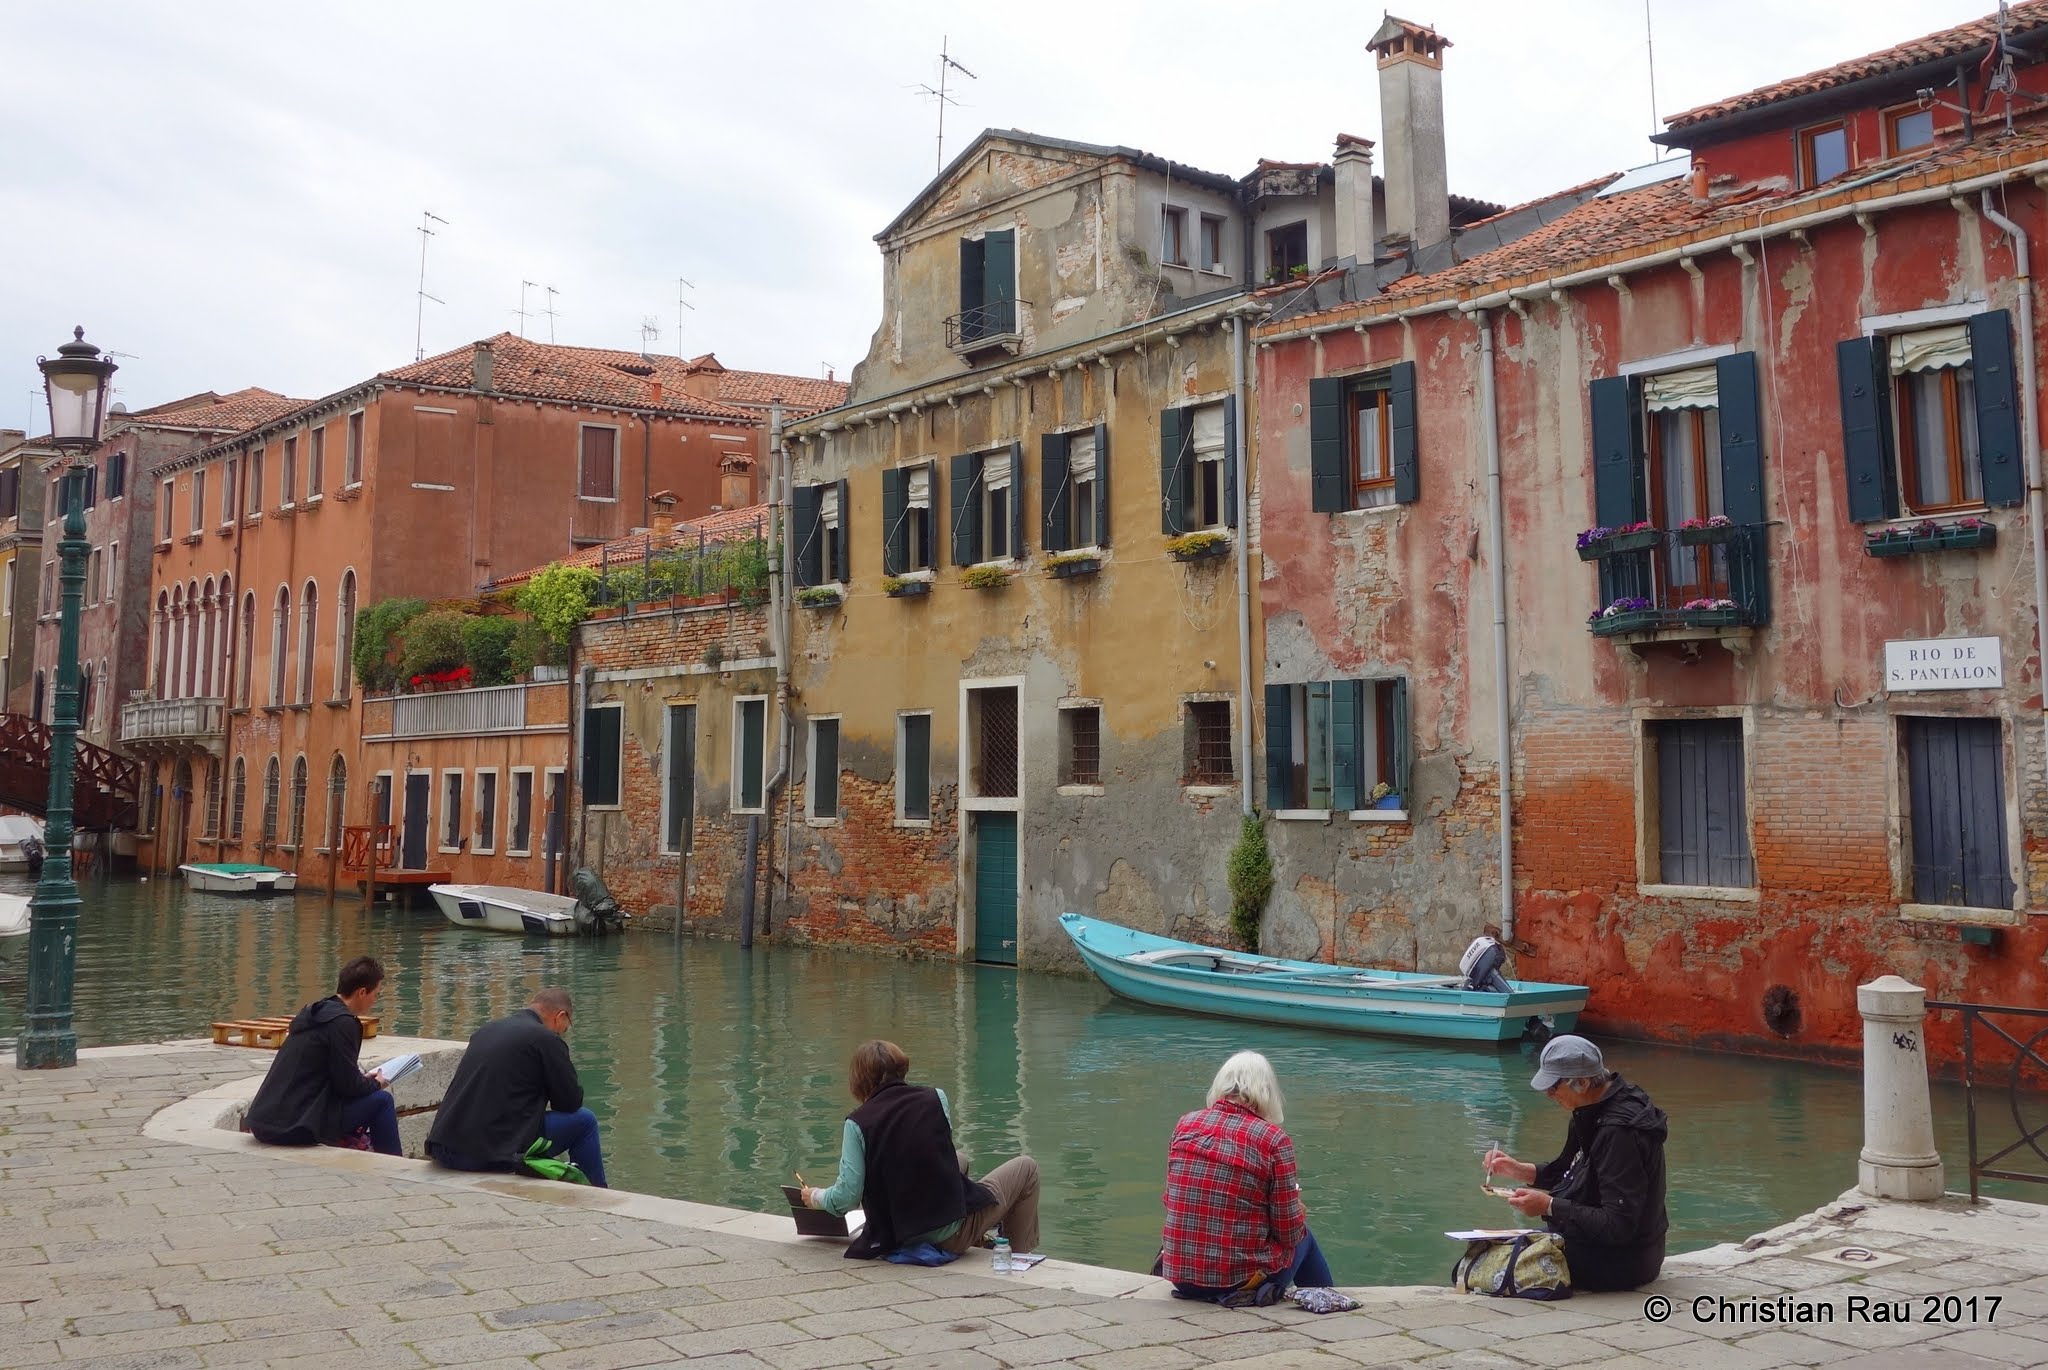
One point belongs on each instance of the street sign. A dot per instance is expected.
(1944, 663)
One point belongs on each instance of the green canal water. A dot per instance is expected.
(716, 1072)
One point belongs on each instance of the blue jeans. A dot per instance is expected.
(1308, 1269)
(376, 1112)
(576, 1133)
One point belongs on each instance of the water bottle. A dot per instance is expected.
(1002, 1262)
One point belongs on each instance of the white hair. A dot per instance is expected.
(1248, 1078)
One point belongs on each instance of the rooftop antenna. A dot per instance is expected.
(681, 305)
(650, 334)
(524, 286)
(946, 67)
(1650, 47)
(419, 325)
(551, 312)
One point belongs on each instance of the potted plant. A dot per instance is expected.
(1628, 614)
(1969, 531)
(985, 577)
(1198, 546)
(1593, 543)
(1067, 565)
(1924, 536)
(1700, 532)
(1888, 542)
(820, 596)
(1383, 797)
(1299, 273)
(905, 587)
(1709, 613)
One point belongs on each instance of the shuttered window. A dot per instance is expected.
(822, 793)
(1362, 447)
(988, 505)
(909, 526)
(1702, 814)
(679, 785)
(914, 766)
(601, 739)
(1955, 780)
(1334, 744)
(749, 750)
(598, 476)
(1198, 467)
(1074, 489)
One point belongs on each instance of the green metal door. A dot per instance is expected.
(995, 888)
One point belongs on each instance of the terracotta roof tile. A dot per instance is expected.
(1929, 47)
(803, 395)
(726, 525)
(589, 375)
(211, 413)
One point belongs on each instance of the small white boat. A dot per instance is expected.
(21, 842)
(13, 922)
(505, 908)
(236, 877)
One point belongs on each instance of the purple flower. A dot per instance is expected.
(1594, 536)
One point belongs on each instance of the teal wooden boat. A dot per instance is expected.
(1266, 989)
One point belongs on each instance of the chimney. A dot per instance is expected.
(736, 480)
(1353, 163)
(664, 502)
(1412, 128)
(482, 363)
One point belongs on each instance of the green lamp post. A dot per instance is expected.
(76, 382)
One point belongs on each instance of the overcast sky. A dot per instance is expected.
(230, 192)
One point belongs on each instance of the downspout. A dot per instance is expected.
(1497, 552)
(2029, 401)
(1238, 336)
(781, 611)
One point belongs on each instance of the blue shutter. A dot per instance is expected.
(1279, 744)
(1742, 483)
(895, 512)
(804, 507)
(966, 509)
(1401, 430)
(1347, 731)
(1055, 496)
(1017, 547)
(1176, 441)
(1866, 430)
(1102, 485)
(1326, 445)
(841, 549)
(937, 512)
(1998, 411)
(1617, 470)
(1404, 747)
(1230, 461)
(999, 274)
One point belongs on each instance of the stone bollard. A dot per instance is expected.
(1898, 1160)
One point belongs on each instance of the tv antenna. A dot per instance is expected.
(419, 324)
(550, 311)
(946, 67)
(1650, 47)
(650, 334)
(681, 305)
(521, 312)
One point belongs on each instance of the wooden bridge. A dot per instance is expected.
(106, 788)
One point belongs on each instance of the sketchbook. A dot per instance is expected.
(812, 1222)
(1491, 1234)
(398, 1067)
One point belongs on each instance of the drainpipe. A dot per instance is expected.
(1238, 335)
(781, 628)
(1497, 552)
(2029, 400)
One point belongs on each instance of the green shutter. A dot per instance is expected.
(971, 274)
(1404, 748)
(842, 543)
(937, 495)
(966, 509)
(1326, 445)
(1401, 434)
(1017, 483)
(1175, 447)
(1617, 470)
(753, 734)
(1866, 430)
(1998, 412)
(1055, 496)
(1346, 734)
(1102, 485)
(1230, 461)
(1279, 744)
(1315, 700)
(999, 271)
(804, 508)
(1742, 482)
(895, 511)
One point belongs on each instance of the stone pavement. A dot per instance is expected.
(134, 1233)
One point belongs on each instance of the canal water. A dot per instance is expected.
(717, 1073)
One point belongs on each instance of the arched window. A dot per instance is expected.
(309, 624)
(238, 801)
(35, 699)
(206, 619)
(85, 695)
(246, 651)
(209, 818)
(345, 638)
(161, 679)
(337, 801)
(280, 642)
(270, 802)
(173, 688)
(191, 676)
(298, 828)
(106, 696)
(224, 609)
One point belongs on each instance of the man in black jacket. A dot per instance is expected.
(514, 1084)
(315, 1091)
(1604, 1194)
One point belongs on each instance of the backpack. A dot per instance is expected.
(1528, 1266)
(538, 1161)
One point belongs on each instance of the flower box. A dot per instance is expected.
(1707, 534)
(1929, 536)
(1596, 543)
(1635, 621)
(1632, 542)
(985, 577)
(819, 598)
(1068, 567)
(1200, 552)
(907, 589)
(1707, 618)
(1888, 545)
(1981, 535)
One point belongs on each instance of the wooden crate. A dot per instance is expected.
(269, 1032)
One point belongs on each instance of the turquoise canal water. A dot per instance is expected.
(718, 1072)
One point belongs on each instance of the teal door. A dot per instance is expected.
(995, 888)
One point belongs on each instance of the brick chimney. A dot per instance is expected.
(1353, 164)
(1411, 62)
(664, 530)
(482, 364)
(736, 481)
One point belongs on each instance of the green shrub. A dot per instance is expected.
(557, 599)
(1251, 881)
(487, 647)
(434, 641)
(374, 654)
(984, 577)
(530, 647)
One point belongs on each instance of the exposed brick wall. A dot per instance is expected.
(867, 882)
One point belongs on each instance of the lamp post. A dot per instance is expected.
(76, 382)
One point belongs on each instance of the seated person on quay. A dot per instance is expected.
(898, 1164)
(315, 1091)
(515, 1084)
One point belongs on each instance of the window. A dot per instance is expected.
(914, 767)
(1075, 468)
(1332, 744)
(1369, 427)
(1702, 823)
(1823, 153)
(288, 474)
(987, 510)
(309, 626)
(822, 793)
(113, 572)
(998, 504)
(1935, 397)
(1198, 467)
(337, 802)
(164, 525)
(92, 577)
(521, 818)
(270, 802)
(352, 458)
(1955, 801)
(49, 582)
(1286, 249)
(1212, 468)
(246, 650)
(1362, 440)
(253, 501)
(1683, 477)
(601, 754)
(1205, 743)
(209, 813)
(10, 493)
(316, 461)
(1907, 128)
(227, 490)
(992, 742)
(280, 642)
(598, 472)
(117, 475)
(345, 637)
(908, 543)
(749, 733)
(818, 519)
(1081, 744)
(7, 580)
(92, 486)
(1173, 242)
(988, 287)
(238, 800)
(486, 811)
(1212, 243)
(1930, 419)
(451, 810)
(679, 783)
(298, 828)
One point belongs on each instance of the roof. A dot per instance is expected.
(587, 375)
(724, 526)
(1948, 43)
(213, 413)
(803, 395)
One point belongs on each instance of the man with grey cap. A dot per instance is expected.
(1604, 1194)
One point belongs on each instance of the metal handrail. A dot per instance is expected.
(1981, 1166)
(983, 323)
(1737, 562)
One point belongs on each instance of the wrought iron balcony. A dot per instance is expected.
(1681, 584)
(173, 725)
(986, 326)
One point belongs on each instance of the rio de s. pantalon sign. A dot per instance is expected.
(1944, 663)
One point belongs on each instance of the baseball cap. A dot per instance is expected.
(1568, 1058)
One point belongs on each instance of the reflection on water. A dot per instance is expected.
(718, 1072)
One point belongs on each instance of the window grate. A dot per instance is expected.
(1084, 746)
(1210, 749)
(998, 743)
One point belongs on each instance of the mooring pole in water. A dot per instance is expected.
(747, 900)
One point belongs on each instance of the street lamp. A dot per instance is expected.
(76, 381)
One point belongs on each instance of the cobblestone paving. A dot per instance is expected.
(120, 1250)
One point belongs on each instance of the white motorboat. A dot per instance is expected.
(13, 922)
(505, 908)
(21, 842)
(236, 877)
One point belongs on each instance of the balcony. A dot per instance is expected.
(1688, 586)
(460, 713)
(992, 327)
(164, 727)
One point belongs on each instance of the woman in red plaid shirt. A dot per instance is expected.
(1235, 1229)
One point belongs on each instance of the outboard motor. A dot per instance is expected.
(596, 911)
(32, 850)
(1481, 965)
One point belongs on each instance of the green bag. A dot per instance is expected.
(1528, 1266)
(540, 1160)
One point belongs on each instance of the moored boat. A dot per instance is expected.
(236, 877)
(506, 908)
(13, 922)
(21, 843)
(1186, 975)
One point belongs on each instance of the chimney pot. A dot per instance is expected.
(1412, 129)
(482, 366)
(664, 502)
(1699, 180)
(1352, 163)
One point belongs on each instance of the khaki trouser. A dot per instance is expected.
(1015, 1185)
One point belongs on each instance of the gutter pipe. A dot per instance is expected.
(1502, 676)
(1239, 332)
(781, 626)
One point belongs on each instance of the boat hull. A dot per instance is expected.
(1308, 994)
(218, 880)
(14, 919)
(502, 908)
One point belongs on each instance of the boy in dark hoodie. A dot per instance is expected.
(315, 1092)
(1604, 1194)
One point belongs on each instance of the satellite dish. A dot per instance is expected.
(117, 408)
